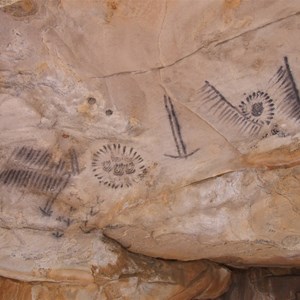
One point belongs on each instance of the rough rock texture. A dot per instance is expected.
(261, 284)
(171, 127)
(128, 276)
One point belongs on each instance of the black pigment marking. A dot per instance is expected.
(21, 152)
(35, 171)
(66, 221)
(108, 112)
(276, 130)
(47, 209)
(29, 156)
(107, 166)
(74, 162)
(286, 91)
(176, 131)
(220, 107)
(117, 166)
(92, 212)
(85, 229)
(258, 107)
(57, 234)
(43, 159)
(35, 157)
(31, 179)
(292, 79)
(58, 168)
(47, 161)
(91, 100)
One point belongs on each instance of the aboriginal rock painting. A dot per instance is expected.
(35, 171)
(39, 171)
(118, 166)
(176, 131)
(257, 109)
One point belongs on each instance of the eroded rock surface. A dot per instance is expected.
(169, 126)
(96, 268)
(263, 283)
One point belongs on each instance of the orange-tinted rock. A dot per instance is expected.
(262, 284)
(10, 289)
(22, 8)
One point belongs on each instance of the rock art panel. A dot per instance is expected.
(170, 126)
(258, 109)
(118, 166)
(176, 131)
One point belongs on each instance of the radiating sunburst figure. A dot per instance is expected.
(258, 107)
(118, 166)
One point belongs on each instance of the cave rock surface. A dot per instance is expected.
(171, 127)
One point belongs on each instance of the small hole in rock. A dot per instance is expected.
(91, 100)
(109, 112)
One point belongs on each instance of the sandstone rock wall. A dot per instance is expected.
(171, 127)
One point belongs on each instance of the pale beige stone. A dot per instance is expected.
(131, 119)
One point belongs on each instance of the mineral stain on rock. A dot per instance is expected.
(232, 4)
(111, 7)
(20, 9)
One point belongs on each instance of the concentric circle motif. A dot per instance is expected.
(118, 166)
(258, 107)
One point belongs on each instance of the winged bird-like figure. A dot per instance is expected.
(258, 108)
